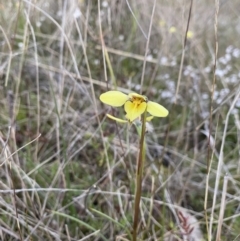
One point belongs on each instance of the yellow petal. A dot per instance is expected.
(149, 118)
(156, 110)
(116, 119)
(113, 98)
(134, 111)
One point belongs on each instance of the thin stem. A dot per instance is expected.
(147, 45)
(139, 172)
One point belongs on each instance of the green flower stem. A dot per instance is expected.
(139, 172)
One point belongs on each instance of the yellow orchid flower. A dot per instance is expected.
(172, 30)
(190, 34)
(134, 105)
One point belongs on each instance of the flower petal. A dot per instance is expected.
(149, 118)
(113, 98)
(156, 110)
(134, 111)
(116, 119)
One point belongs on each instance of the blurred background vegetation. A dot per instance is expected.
(67, 172)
